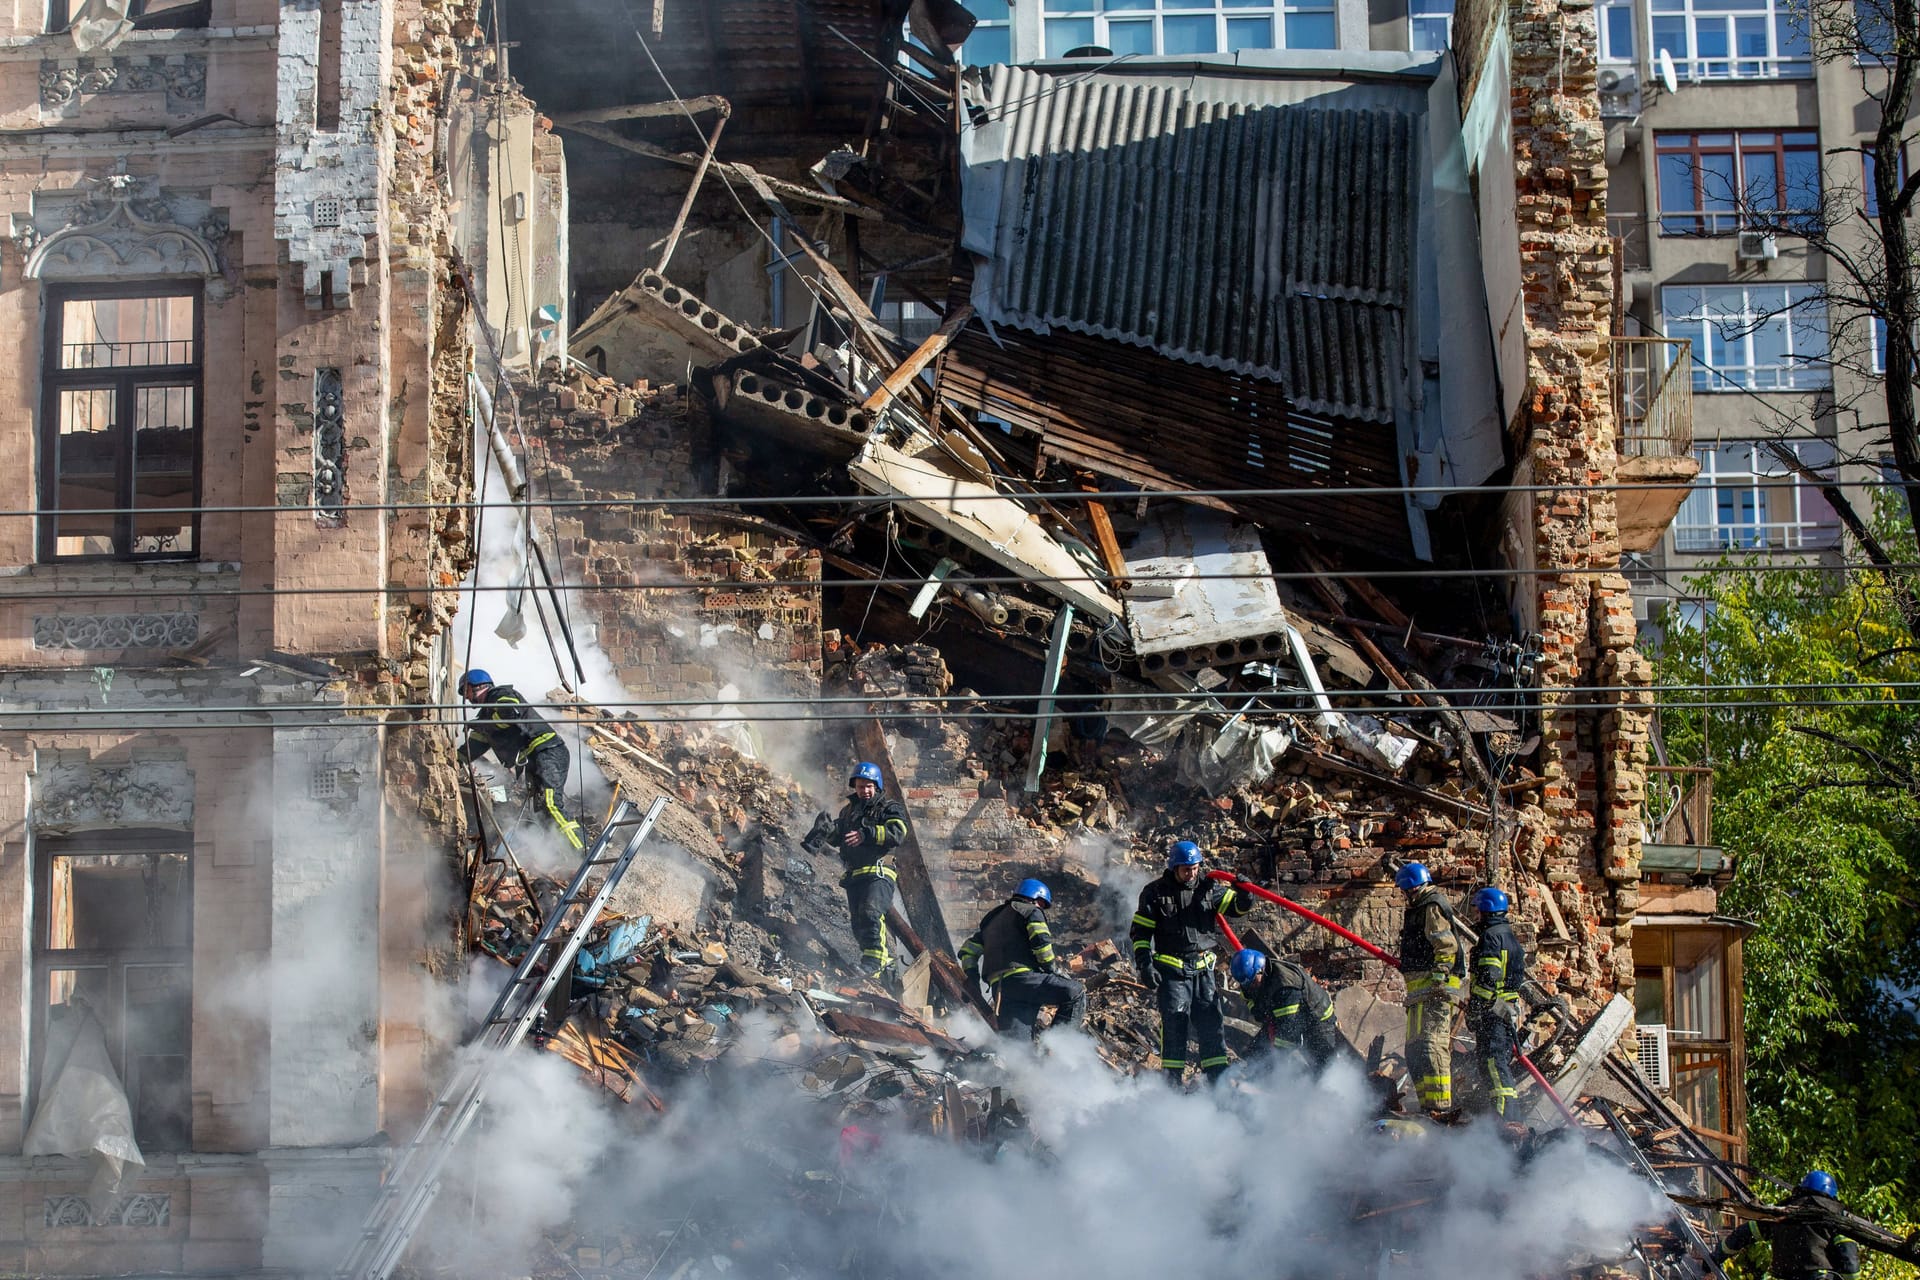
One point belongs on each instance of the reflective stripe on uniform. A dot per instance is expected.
(537, 743)
(1175, 962)
(568, 827)
(1207, 1064)
(1008, 972)
(1145, 922)
(1286, 1010)
(1423, 982)
(877, 869)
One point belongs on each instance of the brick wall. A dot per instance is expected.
(750, 616)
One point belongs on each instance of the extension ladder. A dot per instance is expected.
(414, 1178)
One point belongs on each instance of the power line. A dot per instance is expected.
(1057, 497)
(190, 591)
(160, 719)
(1380, 701)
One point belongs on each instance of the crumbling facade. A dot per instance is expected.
(286, 282)
(237, 381)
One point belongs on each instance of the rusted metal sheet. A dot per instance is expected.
(1164, 424)
(1201, 219)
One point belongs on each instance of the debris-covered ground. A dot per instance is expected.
(739, 1103)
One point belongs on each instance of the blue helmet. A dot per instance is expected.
(1035, 889)
(1491, 901)
(1185, 853)
(1821, 1181)
(1248, 964)
(474, 678)
(867, 771)
(1412, 876)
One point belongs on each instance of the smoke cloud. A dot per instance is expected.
(752, 1171)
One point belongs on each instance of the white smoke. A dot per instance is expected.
(1119, 1177)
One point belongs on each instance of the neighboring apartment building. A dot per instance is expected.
(1031, 30)
(1756, 128)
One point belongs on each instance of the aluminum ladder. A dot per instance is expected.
(413, 1180)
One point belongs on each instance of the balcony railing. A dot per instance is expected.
(1653, 396)
(1678, 809)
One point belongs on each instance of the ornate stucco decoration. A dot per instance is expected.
(123, 226)
(67, 83)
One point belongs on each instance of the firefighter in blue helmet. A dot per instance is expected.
(1295, 1013)
(1013, 947)
(1433, 962)
(1499, 970)
(870, 827)
(520, 738)
(1809, 1243)
(1173, 936)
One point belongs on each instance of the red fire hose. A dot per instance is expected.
(1370, 949)
(1299, 910)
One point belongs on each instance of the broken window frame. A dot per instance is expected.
(166, 1128)
(1704, 1064)
(144, 15)
(124, 383)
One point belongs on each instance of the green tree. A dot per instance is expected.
(1816, 757)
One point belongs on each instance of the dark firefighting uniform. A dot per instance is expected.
(1431, 959)
(520, 738)
(1810, 1243)
(869, 875)
(1295, 1013)
(1173, 938)
(1014, 949)
(1499, 969)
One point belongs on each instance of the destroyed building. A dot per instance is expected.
(797, 350)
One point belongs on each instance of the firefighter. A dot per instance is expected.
(1294, 1012)
(1173, 937)
(1014, 948)
(520, 739)
(1499, 969)
(1809, 1243)
(870, 827)
(1433, 961)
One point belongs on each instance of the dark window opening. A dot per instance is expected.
(113, 941)
(326, 107)
(120, 423)
(145, 15)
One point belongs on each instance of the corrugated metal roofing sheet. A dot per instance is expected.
(1267, 238)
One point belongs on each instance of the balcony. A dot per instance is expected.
(1653, 412)
(1677, 814)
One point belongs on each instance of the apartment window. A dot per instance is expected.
(1874, 27)
(1868, 167)
(1745, 500)
(1714, 183)
(1430, 25)
(113, 939)
(1732, 39)
(1751, 337)
(145, 15)
(992, 40)
(1616, 30)
(120, 422)
(1188, 26)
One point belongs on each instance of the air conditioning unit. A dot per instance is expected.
(1757, 246)
(1653, 1055)
(1612, 81)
